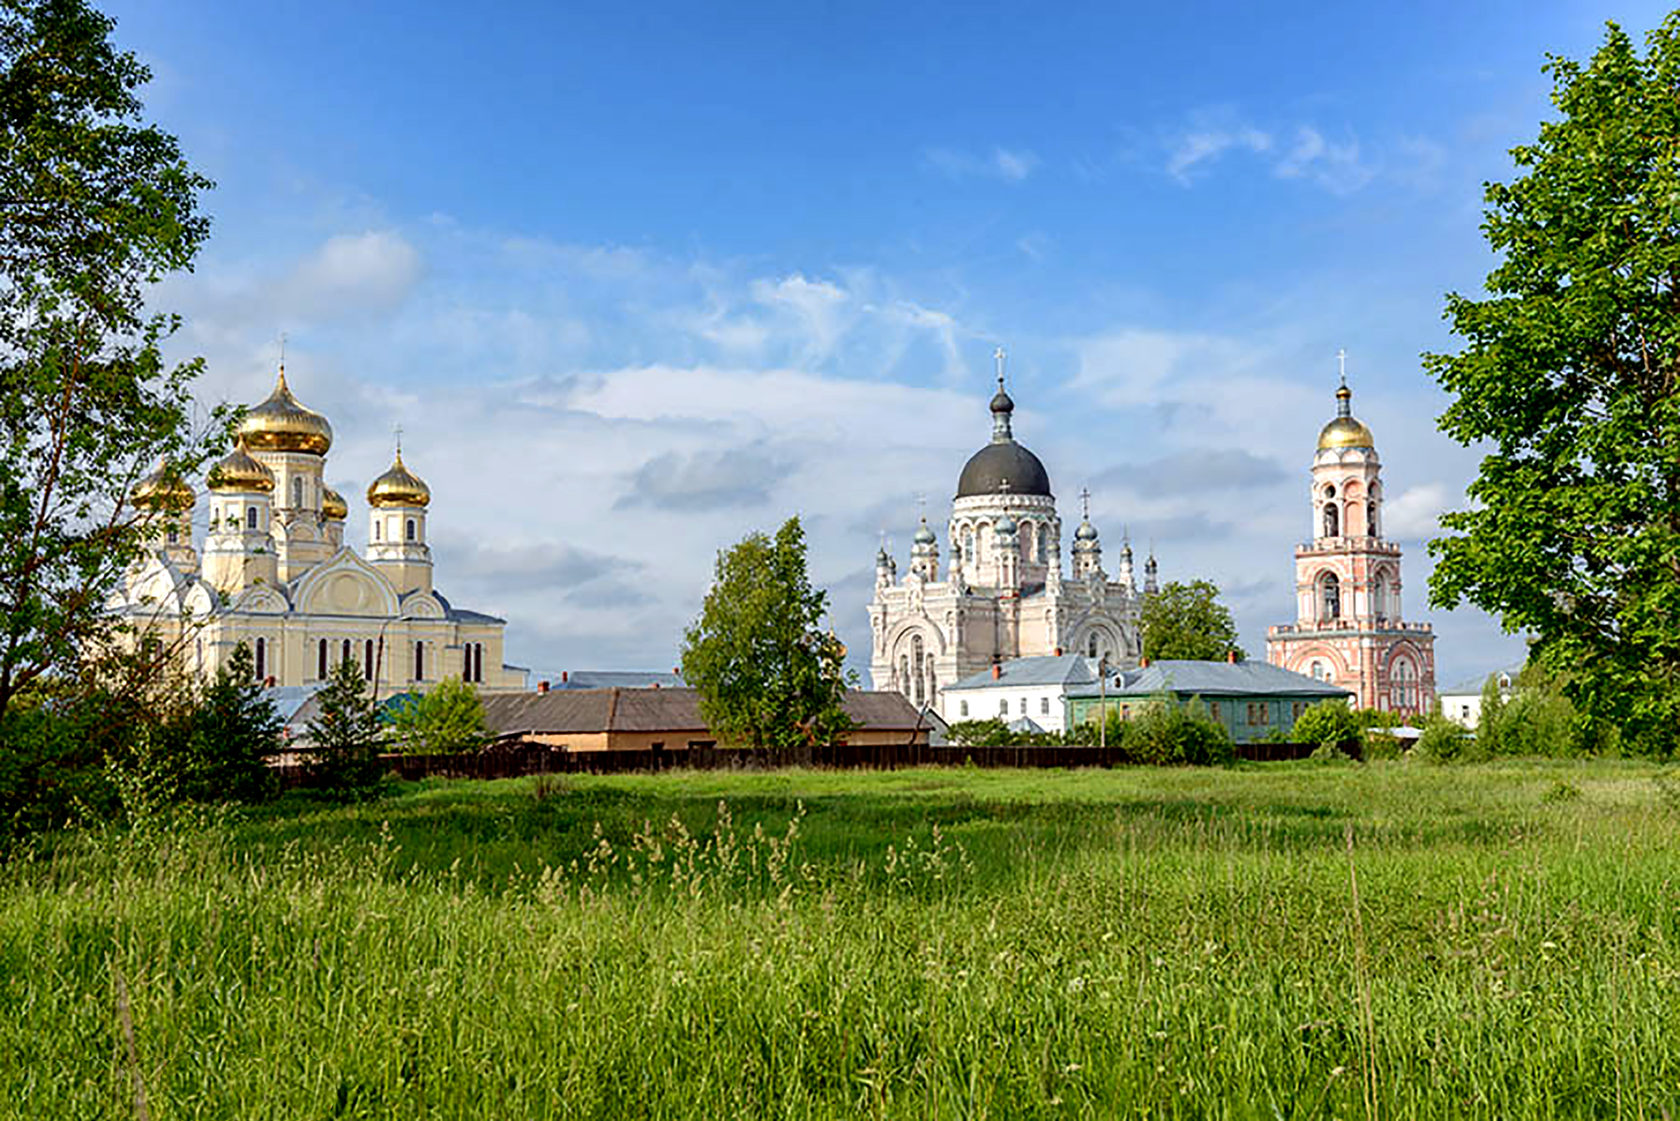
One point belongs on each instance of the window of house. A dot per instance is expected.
(1003, 707)
(1044, 706)
(1464, 711)
(1023, 706)
(962, 708)
(1256, 712)
(1213, 709)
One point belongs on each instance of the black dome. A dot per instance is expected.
(986, 470)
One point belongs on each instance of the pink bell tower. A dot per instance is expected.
(1348, 629)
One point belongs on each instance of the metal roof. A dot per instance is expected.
(657, 710)
(1216, 679)
(1473, 687)
(1064, 669)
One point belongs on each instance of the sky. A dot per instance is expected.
(637, 280)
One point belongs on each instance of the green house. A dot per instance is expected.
(1253, 700)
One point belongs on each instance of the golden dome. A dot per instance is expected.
(1345, 431)
(238, 471)
(334, 506)
(398, 487)
(280, 424)
(163, 490)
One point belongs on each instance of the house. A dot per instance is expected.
(615, 679)
(1462, 704)
(657, 718)
(1019, 689)
(1253, 700)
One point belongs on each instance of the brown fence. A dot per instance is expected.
(535, 760)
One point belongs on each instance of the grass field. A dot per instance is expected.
(951, 943)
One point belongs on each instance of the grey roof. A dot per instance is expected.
(1064, 669)
(656, 710)
(987, 468)
(462, 615)
(614, 679)
(1473, 687)
(1025, 724)
(1216, 679)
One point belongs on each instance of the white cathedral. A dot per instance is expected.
(1004, 595)
(276, 575)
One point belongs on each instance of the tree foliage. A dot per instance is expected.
(1329, 721)
(95, 205)
(1569, 377)
(1186, 620)
(344, 736)
(766, 672)
(448, 718)
(236, 732)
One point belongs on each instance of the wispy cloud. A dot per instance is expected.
(1338, 166)
(1203, 145)
(1335, 167)
(1009, 164)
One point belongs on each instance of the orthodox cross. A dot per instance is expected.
(1003, 488)
(1000, 356)
(1085, 502)
(1341, 363)
(396, 430)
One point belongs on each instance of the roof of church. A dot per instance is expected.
(1216, 679)
(461, 614)
(1063, 669)
(989, 468)
(655, 710)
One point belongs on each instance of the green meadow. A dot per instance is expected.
(1273, 941)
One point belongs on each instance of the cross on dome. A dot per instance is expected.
(1085, 503)
(1000, 355)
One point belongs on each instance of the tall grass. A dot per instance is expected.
(1280, 941)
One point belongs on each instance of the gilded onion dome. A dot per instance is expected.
(398, 487)
(924, 535)
(238, 471)
(280, 424)
(334, 506)
(163, 490)
(1345, 431)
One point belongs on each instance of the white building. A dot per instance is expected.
(1020, 689)
(276, 575)
(1462, 704)
(1003, 594)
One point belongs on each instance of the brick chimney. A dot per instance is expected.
(1145, 662)
(997, 671)
(565, 676)
(1231, 657)
(542, 686)
(1058, 651)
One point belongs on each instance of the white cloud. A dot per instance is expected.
(1201, 145)
(1339, 167)
(1009, 164)
(1416, 514)
(351, 273)
(1335, 167)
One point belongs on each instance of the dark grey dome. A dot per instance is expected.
(987, 469)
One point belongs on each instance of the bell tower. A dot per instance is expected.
(1348, 628)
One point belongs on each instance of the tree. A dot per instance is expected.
(766, 672)
(449, 718)
(1570, 378)
(1329, 721)
(1186, 620)
(344, 736)
(95, 206)
(236, 732)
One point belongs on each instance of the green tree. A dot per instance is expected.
(449, 718)
(766, 672)
(1329, 721)
(344, 736)
(236, 732)
(1167, 731)
(1186, 620)
(1569, 379)
(95, 206)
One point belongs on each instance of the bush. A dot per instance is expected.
(1443, 741)
(448, 719)
(1328, 722)
(344, 737)
(1168, 732)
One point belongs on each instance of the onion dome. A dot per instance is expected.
(924, 535)
(280, 424)
(1005, 526)
(1003, 465)
(1345, 431)
(1085, 532)
(163, 490)
(334, 506)
(238, 471)
(398, 487)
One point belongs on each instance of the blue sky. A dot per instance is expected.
(638, 280)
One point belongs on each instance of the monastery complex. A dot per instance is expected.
(276, 574)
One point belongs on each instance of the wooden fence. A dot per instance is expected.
(517, 761)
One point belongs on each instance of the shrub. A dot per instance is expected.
(1328, 722)
(1443, 741)
(450, 718)
(344, 737)
(1168, 732)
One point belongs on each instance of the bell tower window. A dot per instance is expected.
(408, 534)
(1330, 519)
(1329, 597)
(297, 490)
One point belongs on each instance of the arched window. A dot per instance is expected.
(1371, 518)
(1330, 519)
(250, 517)
(968, 543)
(904, 675)
(321, 660)
(377, 527)
(1404, 680)
(1320, 671)
(1329, 597)
(297, 490)
(932, 684)
(408, 534)
(262, 659)
(344, 651)
(419, 661)
(367, 659)
(1044, 544)
(1091, 645)
(1379, 599)
(917, 671)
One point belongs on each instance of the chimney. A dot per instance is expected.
(1231, 657)
(997, 671)
(1058, 651)
(1145, 662)
(542, 686)
(565, 676)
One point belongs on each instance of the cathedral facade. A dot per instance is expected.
(1348, 627)
(1003, 593)
(276, 575)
